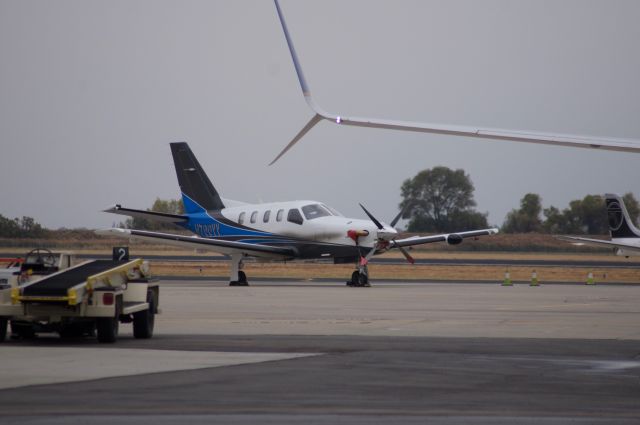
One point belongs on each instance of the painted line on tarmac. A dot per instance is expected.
(25, 366)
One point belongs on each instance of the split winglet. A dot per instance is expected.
(568, 140)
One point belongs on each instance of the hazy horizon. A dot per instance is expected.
(93, 93)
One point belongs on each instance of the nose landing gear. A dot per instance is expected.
(359, 279)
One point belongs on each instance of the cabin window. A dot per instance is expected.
(241, 217)
(279, 215)
(294, 216)
(265, 217)
(315, 211)
(254, 216)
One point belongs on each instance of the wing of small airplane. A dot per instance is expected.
(450, 238)
(613, 144)
(151, 215)
(216, 245)
(598, 242)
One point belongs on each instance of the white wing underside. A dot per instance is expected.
(555, 139)
(598, 242)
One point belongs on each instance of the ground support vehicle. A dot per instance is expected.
(91, 298)
(10, 271)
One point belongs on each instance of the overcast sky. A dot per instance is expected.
(93, 92)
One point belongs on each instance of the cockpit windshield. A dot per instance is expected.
(333, 211)
(315, 210)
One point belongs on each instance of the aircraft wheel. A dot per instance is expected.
(363, 280)
(242, 280)
(355, 279)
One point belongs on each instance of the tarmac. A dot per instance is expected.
(324, 353)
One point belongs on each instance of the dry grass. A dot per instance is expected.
(400, 271)
(143, 250)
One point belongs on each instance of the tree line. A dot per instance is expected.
(25, 227)
(582, 216)
(441, 200)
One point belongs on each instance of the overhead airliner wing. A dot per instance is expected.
(612, 144)
(598, 242)
(217, 245)
(149, 215)
(451, 238)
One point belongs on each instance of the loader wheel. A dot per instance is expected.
(107, 328)
(143, 321)
(22, 330)
(3, 328)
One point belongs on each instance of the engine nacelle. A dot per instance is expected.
(454, 239)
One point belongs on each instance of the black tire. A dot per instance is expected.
(355, 279)
(107, 328)
(242, 277)
(143, 321)
(3, 328)
(22, 330)
(242, 280)
(363, 280)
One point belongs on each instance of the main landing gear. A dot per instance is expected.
(238, 277)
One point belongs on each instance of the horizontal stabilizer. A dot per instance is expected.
(149, 215)
(216, 245)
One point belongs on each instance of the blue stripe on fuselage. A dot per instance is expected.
(204, 225)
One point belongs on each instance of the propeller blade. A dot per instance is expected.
(376, 222)
(397, 218)
(400, 214)
(406, 255)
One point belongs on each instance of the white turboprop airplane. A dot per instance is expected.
(612, 144)
(625, 237)
(278, 231)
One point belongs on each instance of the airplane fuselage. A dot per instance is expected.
(315, 230)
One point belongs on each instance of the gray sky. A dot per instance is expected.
(92, 93)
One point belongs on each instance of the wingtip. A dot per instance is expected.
(112, 208)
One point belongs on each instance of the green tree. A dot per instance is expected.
(585, 216)
(25, 227)
(591, 214)
(440, 200)
(8, 228)
(554, 220)
(632, 205)
(527, 218)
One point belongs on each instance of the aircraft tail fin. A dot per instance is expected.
(197, 191)
(620, 224)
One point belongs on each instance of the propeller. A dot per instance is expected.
(379, 225)
(372, 218)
